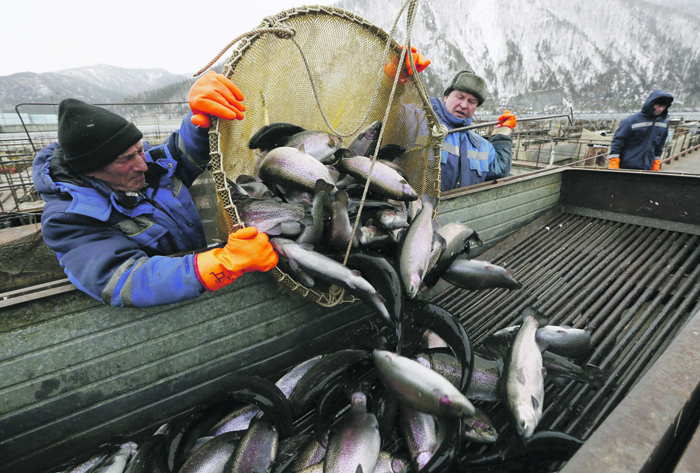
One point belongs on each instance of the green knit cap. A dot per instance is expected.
(467, 81)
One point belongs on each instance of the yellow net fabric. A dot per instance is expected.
(345, 56)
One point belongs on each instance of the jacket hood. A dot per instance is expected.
(648, 107)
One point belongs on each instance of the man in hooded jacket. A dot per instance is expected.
(639, 141)
(117, 207)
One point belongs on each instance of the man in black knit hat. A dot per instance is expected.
(116, 207)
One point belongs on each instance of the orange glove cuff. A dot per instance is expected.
(246, 250)
(657, 165)
(215, 94)
(614, 163)
(212, 272)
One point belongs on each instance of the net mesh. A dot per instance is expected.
(345, 79)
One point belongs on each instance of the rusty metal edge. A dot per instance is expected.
(636, 436)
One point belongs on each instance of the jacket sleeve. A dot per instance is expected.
(659, 151)
(499, 165)
(190, 147)
(118, 272)
(619, 139)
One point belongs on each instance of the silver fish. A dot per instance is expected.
(371, 236)
(341, 228)
(384, 180)
(318, 265)
(313, 453)
(313, 234)
(415, 248)
(485, 373)
(558, 339)
(478, 428)
(391, 219)
(523, 379)
(564, 341)
(266, 214)
(213, 455)
(366, 141)
(419, 387)
(354, 446)
(289, 166)
(319, 144)
(419, 431)
(257, 449)
(476, 275)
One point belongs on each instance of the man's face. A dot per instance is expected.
(461, 104)
(659, 109)
(126, 173)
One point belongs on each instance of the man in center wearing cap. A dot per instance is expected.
(117, 207)
(466, 157)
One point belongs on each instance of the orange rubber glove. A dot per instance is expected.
(420, 61)
(246, 250)
(657, 165)
(507, 119)
(215, 94)
(614, 163)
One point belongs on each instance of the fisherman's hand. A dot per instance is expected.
(215, 94)
(420, 61)
(246, 251)
(657, 165)
(614, 163)
(507, 119)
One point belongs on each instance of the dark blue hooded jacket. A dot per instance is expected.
(640, 138)
(113, 246)
(467, 158)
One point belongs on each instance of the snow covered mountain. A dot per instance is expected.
(96, 84)
(536, 55)
(597, 54)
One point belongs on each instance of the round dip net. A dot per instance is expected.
(323, 68)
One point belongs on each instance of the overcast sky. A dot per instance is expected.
(176, 35)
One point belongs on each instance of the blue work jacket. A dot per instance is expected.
(113, 246)
(467, 158)
(640, 138)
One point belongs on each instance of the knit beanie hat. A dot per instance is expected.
(92, 137)
(467, 81)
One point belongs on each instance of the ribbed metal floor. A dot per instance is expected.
(633, 287)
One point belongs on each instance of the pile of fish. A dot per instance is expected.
(361, 410)
(413, 398)
(307, 195)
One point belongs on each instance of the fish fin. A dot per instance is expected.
(539, 316)
(306, 246)
(294, 265)
(323, 186)
(342, 198)
(429, 199)
(264, 228)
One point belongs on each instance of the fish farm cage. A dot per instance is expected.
(537, 144)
